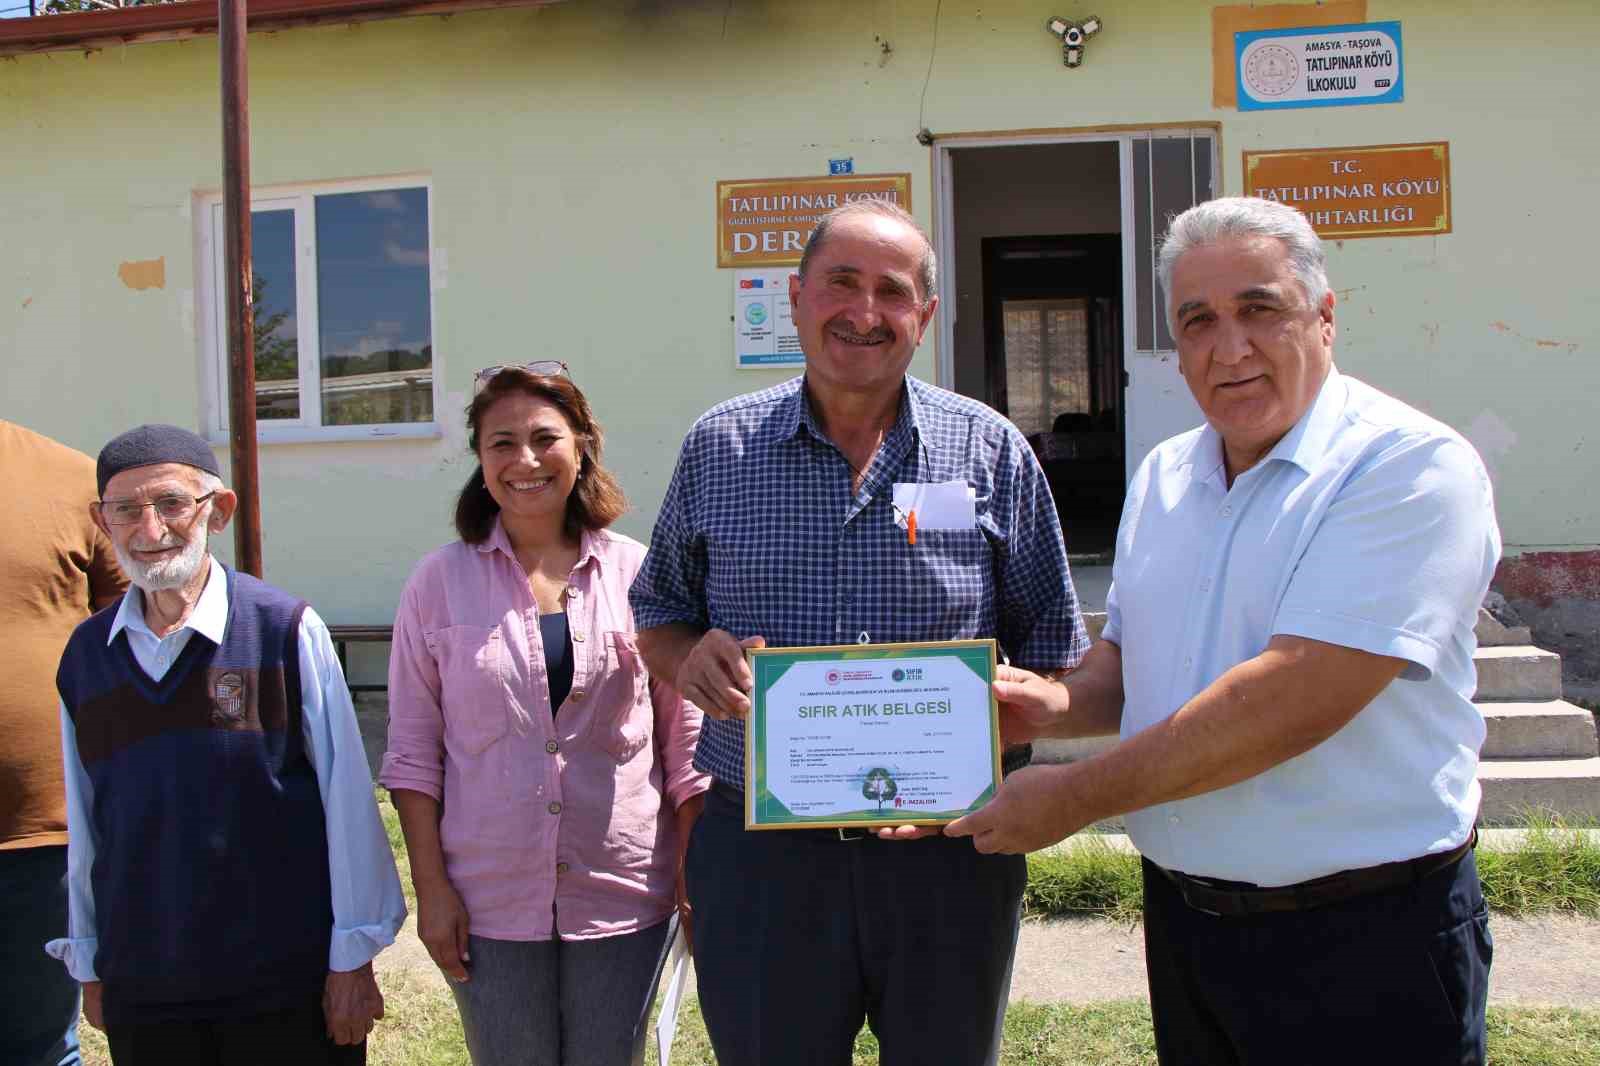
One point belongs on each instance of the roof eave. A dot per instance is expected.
(192, 18)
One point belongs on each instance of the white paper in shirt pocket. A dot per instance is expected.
(938, 505)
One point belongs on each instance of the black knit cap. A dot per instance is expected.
(148, 445)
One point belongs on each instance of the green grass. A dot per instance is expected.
(1105, 1034)
(1090, 877)
(1552, 868)
(422, 1030)
(1555, 867)
(397, 841)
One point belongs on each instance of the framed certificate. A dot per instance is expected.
(871, 735)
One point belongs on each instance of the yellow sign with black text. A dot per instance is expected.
(765, 222)
(1383, 190)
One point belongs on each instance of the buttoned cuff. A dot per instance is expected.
(78, 956)
(351, 949)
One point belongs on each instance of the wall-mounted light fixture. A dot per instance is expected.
(1074, 35)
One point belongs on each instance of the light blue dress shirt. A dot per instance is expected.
(368, 907)
(1369, 525)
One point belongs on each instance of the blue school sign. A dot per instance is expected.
(1321, 66)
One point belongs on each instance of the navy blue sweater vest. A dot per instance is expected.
(210, 875)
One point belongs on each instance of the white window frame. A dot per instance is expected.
(211, 319)
(1130, 207)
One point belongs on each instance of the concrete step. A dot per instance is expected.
(1506, 671)
(1511, 787)
(1553, 729)
(1517, 672)
(1569, 788)
(1491, 634)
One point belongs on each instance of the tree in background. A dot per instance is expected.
(277, 357)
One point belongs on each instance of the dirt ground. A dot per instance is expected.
(1546, 961)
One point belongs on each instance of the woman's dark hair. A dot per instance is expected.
(596, 499)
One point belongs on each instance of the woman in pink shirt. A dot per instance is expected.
(543, 778)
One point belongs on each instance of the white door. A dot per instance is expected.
(1164, 172)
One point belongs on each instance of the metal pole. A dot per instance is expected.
(231, 32)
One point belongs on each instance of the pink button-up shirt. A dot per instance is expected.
(551, 826)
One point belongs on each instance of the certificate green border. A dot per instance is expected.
(762, 810)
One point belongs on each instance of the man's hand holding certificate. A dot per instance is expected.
(871, 735)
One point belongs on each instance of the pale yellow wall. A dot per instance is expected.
(573, 152)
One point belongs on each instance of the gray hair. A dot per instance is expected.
(1245, 216)
(927, 270)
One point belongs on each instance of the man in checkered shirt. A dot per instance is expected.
(778, 529)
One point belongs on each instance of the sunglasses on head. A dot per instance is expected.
(538, 366)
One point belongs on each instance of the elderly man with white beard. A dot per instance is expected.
(230, 879)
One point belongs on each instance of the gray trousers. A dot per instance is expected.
(554, 1002)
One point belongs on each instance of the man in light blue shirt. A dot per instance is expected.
(1288, 659)
(230, 880)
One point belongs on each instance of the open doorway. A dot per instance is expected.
(1049, 305)
(1038, 259)
(1053, 364)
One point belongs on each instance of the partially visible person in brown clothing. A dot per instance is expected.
(55, 569)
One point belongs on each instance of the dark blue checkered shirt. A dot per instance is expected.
(759, 535)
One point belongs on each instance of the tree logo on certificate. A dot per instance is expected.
(880, 785)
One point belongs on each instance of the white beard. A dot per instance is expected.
(171, 573)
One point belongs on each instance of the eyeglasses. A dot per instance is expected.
(174, 509)
(538, 366)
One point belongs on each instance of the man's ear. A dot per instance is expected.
(99, 520)
(223, 505)
(925, 317)
(1325, 312)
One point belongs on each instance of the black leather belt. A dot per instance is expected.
(1015, 758)
(1227, 899)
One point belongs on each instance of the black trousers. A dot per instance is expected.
(293, 1037)
(799, 936)
(39, 1010)
(1393, 977)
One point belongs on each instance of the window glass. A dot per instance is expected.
(1181, 178)
(273, 301)
(373, 317)
(1047, 361)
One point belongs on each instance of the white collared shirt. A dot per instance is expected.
(368, 907)
(1369, 526)
(155, 655)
